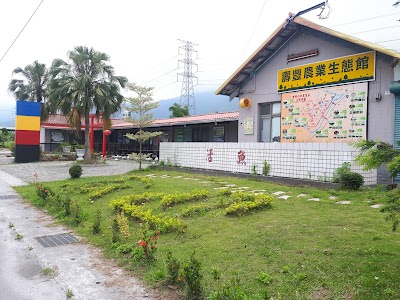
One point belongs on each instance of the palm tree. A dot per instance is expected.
(33, 85)
(83, 85)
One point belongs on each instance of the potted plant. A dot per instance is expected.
(66, 147)
(80, 151)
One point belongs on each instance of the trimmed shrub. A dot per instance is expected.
(338, 173)
(75, 171)
(351, 180)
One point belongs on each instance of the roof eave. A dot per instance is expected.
(235, 77)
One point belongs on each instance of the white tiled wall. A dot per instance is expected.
(314, 161)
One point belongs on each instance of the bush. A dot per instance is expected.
(232, 290)
(178, 198)
(244, 205)
(192, 277)
(44, 192)
(266, 168)
(351, 180)
(97, 222)
(75, 171)
(264, 278)
(337, 174)
(173, 268)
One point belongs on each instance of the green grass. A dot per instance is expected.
(310, 250)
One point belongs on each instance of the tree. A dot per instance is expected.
(32, 86)
(85, 84)
(375, 153)
(372, 155)
(178, 110)
(140, 107)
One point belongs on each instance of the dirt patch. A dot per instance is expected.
(348, 296)
(122, 281)
(320, 294)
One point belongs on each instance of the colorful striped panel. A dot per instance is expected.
(25, 108)
(27, 153)
(26, 137)
(27, 123)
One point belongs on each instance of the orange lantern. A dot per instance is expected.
(245, 103)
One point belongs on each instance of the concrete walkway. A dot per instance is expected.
(79, 267)
(58, 170)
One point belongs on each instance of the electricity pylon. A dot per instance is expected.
(188, 78)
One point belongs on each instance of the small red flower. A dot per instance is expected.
(180, 279)
(142, 243)
(158, 232)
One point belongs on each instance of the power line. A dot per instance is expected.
(21, 30)
(254, 29)
(362, 20)
(165, 61)
(161, 75)
(388, 41)
(377, 29)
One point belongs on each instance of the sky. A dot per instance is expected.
(142, 37)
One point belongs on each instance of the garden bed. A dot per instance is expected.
(304, 243)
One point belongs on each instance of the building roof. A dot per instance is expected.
(61, 121)
(276, 40)
(207, 118)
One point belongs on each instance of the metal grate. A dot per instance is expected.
(56, 240)
(7, 197)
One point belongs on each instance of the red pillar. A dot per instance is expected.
(105, 134)
(92, 132)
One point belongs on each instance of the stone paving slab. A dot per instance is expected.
(314, 199)
(344, 202)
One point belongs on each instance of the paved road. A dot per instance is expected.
(78, 267)
(58, 170)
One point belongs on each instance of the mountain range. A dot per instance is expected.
(205, 102)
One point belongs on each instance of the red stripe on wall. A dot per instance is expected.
(27, 137)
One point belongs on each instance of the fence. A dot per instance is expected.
(312, 161)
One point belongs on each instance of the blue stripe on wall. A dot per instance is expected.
(25, 108)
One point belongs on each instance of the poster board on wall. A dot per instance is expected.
(325, 115)
(347, 69)
(219, 134)
(248, 125)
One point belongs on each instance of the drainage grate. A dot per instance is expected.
(56, 240)
(7, 197)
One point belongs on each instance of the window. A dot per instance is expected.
(270, 122)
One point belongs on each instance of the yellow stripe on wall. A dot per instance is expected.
(27, 123)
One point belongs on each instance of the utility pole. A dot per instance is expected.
(188, 78)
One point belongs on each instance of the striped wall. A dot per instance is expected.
(27, 132)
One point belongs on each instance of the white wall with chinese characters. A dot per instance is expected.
(311, 161)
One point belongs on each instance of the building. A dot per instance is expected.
(218, 127)
(305, 93)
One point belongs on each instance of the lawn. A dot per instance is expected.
(293, 249)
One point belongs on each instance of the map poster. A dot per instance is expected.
(325, 115)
